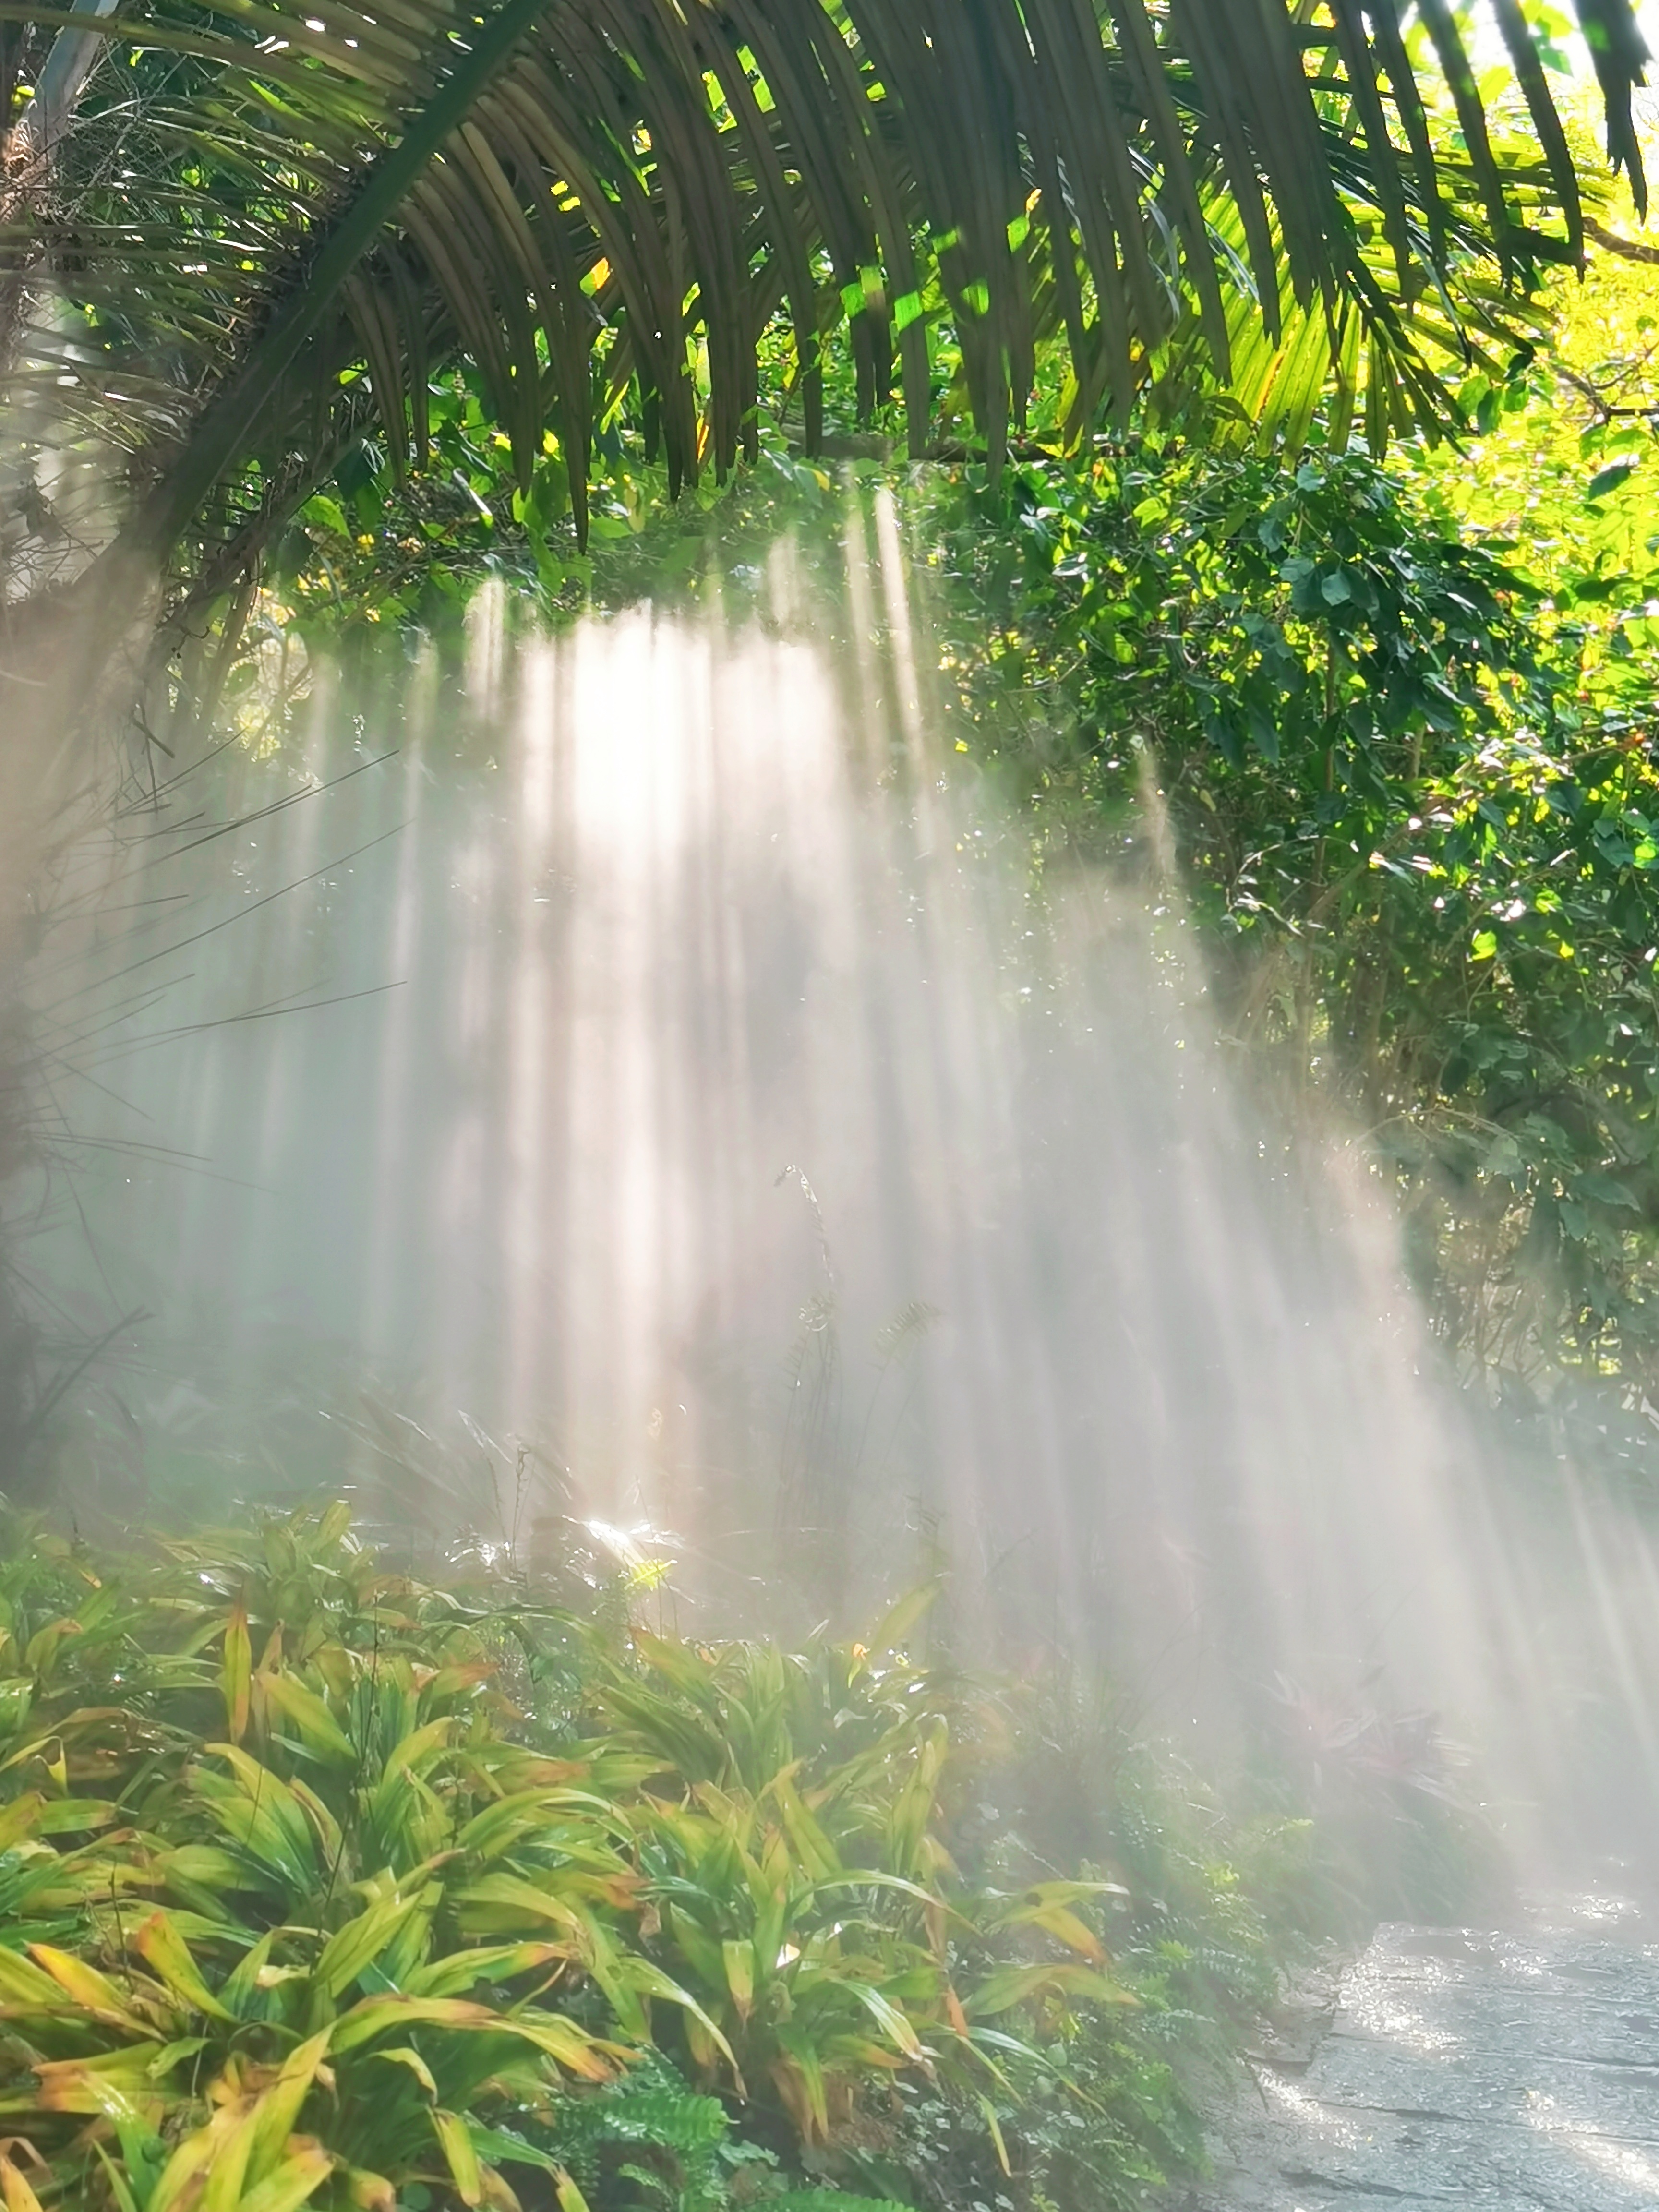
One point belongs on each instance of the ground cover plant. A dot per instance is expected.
(322, 1883)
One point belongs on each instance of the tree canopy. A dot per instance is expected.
(350, 306)
(239, 238)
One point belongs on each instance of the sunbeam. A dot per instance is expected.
(681, 1074)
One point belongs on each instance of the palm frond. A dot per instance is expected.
(256, 211)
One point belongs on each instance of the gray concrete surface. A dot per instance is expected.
(1447, 2067)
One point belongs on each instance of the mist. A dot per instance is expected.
(635, 1082)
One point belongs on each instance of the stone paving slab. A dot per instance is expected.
(1339, 2155)
(1360, 2074)
(1584, 2031)
(1515, 2070)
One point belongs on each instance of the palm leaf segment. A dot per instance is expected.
(272, 216)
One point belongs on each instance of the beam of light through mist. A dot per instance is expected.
(660, 1052)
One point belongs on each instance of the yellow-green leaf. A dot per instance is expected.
(294, 2183)
(1014, 1985)
(22, 1984)
(358, 1943)
(649, 1979)
(404, 2054)
(118, 2182)
(334, 1524)
(279, 2109)
(996, 2125)
(739, 1963)
(94, 1992)
(15, 2187)
(232, 2145)
(370, 2192)
(165, 1950)
(304, 1710)
(901, 1617)
(570, 2198)
(461, 2156)
(18, 1819)
(237, 1672)
(494, 1962)
(816, 1851)
(888, 2017)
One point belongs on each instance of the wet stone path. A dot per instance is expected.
(1514, 2071)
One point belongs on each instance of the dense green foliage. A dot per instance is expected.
(977, 223)
(1421, 836)
(1399, 720)
(322, 1883)
(1404, 758)
(555, 280)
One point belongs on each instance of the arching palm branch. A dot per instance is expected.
(239, 232)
